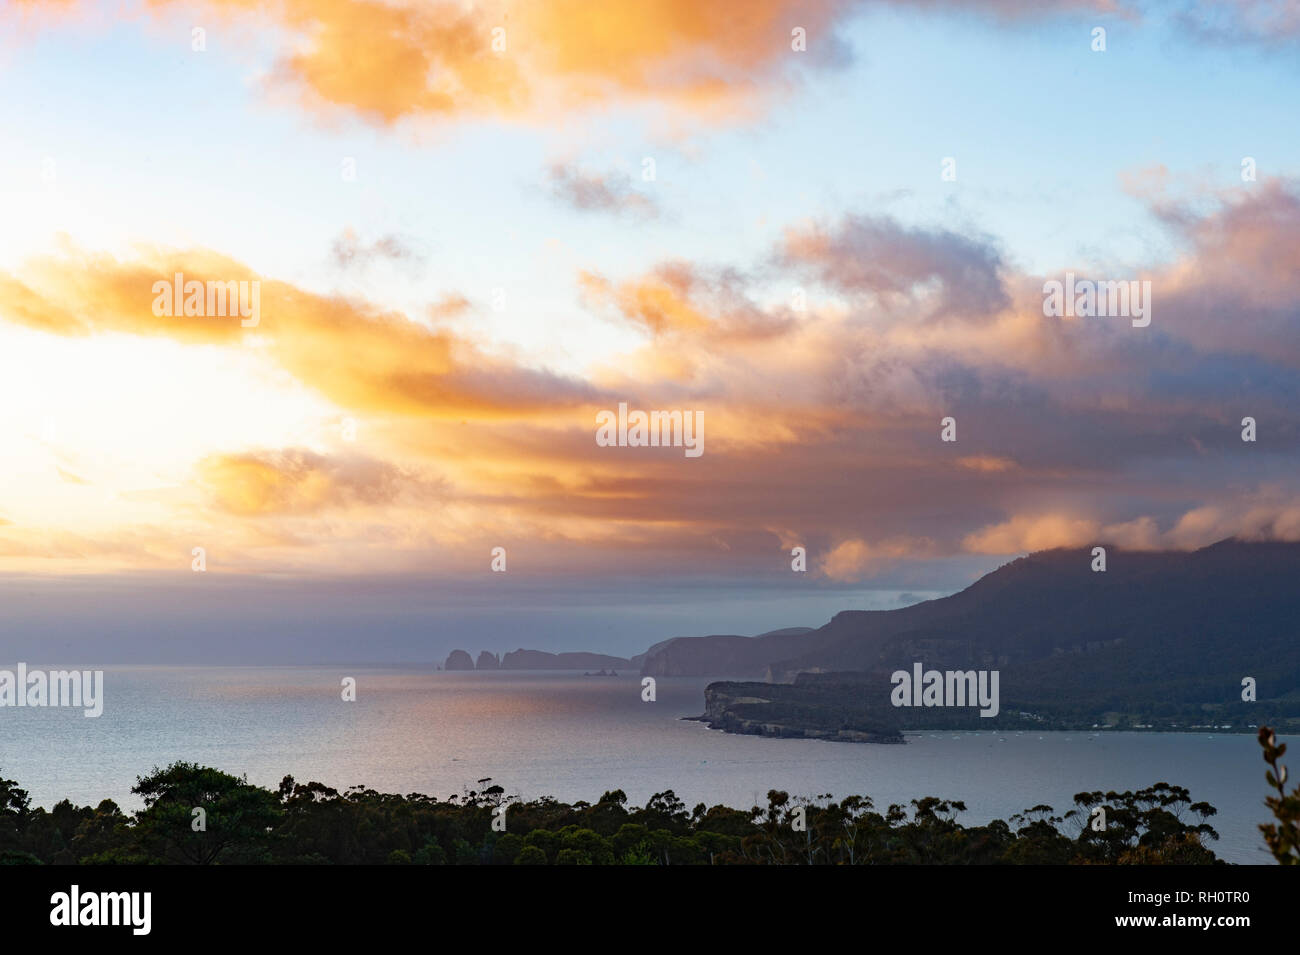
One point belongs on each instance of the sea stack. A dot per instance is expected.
(459, 660)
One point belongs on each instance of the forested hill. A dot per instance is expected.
(1163, 636)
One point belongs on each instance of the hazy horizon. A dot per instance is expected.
(90, 620)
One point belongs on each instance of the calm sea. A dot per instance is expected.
(413, 729)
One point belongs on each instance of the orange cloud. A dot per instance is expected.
(1025, 533)
(402, 58)
(854, 559)
(1029, 533)
(658, 303)
(354, 354)
(296, 481)
(452, 305)
(986, 463)
(823, 421)
(1265, 515)
(387, 60)
(1265, 519)
(678, 298)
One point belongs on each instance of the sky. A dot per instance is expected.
(823, 226)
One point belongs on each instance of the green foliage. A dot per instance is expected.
(1282, 837)
(313, 824)
(237, 823)
(507, 849)
(17, 857)
(14, 812)
(431, 853)
(641, 854)
(530, 855)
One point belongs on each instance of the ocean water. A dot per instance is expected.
(414, 729)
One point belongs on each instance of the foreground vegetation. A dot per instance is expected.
(201, 816)
(311, 823)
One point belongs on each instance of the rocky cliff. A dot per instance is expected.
(458, 660)
(798, 711)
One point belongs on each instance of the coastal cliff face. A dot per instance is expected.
(459, 660)
(791, 711)
(1172, 641)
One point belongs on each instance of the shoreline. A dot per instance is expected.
(842, 736)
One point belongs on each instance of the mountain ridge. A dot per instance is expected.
(1164, 639)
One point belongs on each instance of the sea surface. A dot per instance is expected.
(415, 729)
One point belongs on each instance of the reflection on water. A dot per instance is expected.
(413, 729)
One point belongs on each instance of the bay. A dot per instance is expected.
(416, 729)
